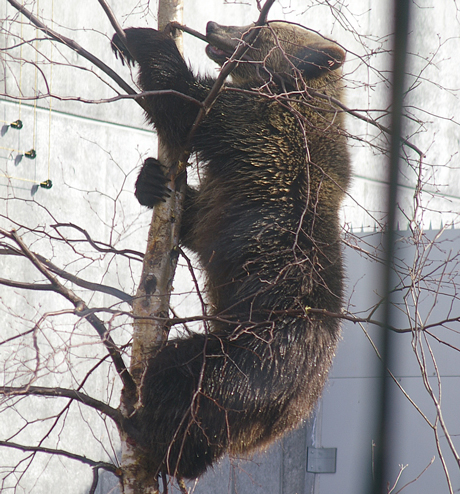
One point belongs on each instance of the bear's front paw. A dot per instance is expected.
(151, 184)
(141, 44)
(120, 50)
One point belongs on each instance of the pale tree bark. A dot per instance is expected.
(152, 298)
(151, 305)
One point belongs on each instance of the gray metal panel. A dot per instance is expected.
(279, 470)
(348, 406)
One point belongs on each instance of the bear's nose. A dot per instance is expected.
(211, 27)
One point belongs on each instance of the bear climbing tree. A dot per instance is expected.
(264, 223)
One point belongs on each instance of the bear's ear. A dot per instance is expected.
(316, 59)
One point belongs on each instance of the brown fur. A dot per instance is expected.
(264, 223)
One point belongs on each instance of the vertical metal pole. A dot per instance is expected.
(382, 456)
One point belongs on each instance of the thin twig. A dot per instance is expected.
(335, 102)
(115, 24)
(80, 309)
(224, 73)
(188, 30)
(40, 449)
(418, 476)
(72, 394)
(96, 244)
(89, 285)
(411, 401)
(401, 470)
(368, 120)
(73, 45)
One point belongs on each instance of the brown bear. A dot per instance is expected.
(274, 168)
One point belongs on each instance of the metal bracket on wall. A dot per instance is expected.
(321, 460)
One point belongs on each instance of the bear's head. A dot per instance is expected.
(281, 51)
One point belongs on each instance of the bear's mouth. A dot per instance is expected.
(217, 54)
(223, 40)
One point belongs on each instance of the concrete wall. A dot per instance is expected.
(91, 151)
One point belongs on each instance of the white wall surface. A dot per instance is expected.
(91, 151)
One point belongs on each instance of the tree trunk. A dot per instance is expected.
(151, 306)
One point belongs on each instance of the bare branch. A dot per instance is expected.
(83, 459)
(188, 30)
(418, 476)
(113, 413)
(395, 380)
(226, 70)
(287, 97)
(73, 45)
(98, 245)
(119, 97)
(27, 286)
(96, 287)
(80, 308)
(368, 120)
(113, 21)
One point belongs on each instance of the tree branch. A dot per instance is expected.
(97, 244)
(80, 310)
(73, 45)
(95, 287)
(226, 70)
(102, 407)
(40, 449)
(188, 30)
(368, 120)
(115, 24)
(335, 102)
(27, 286)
